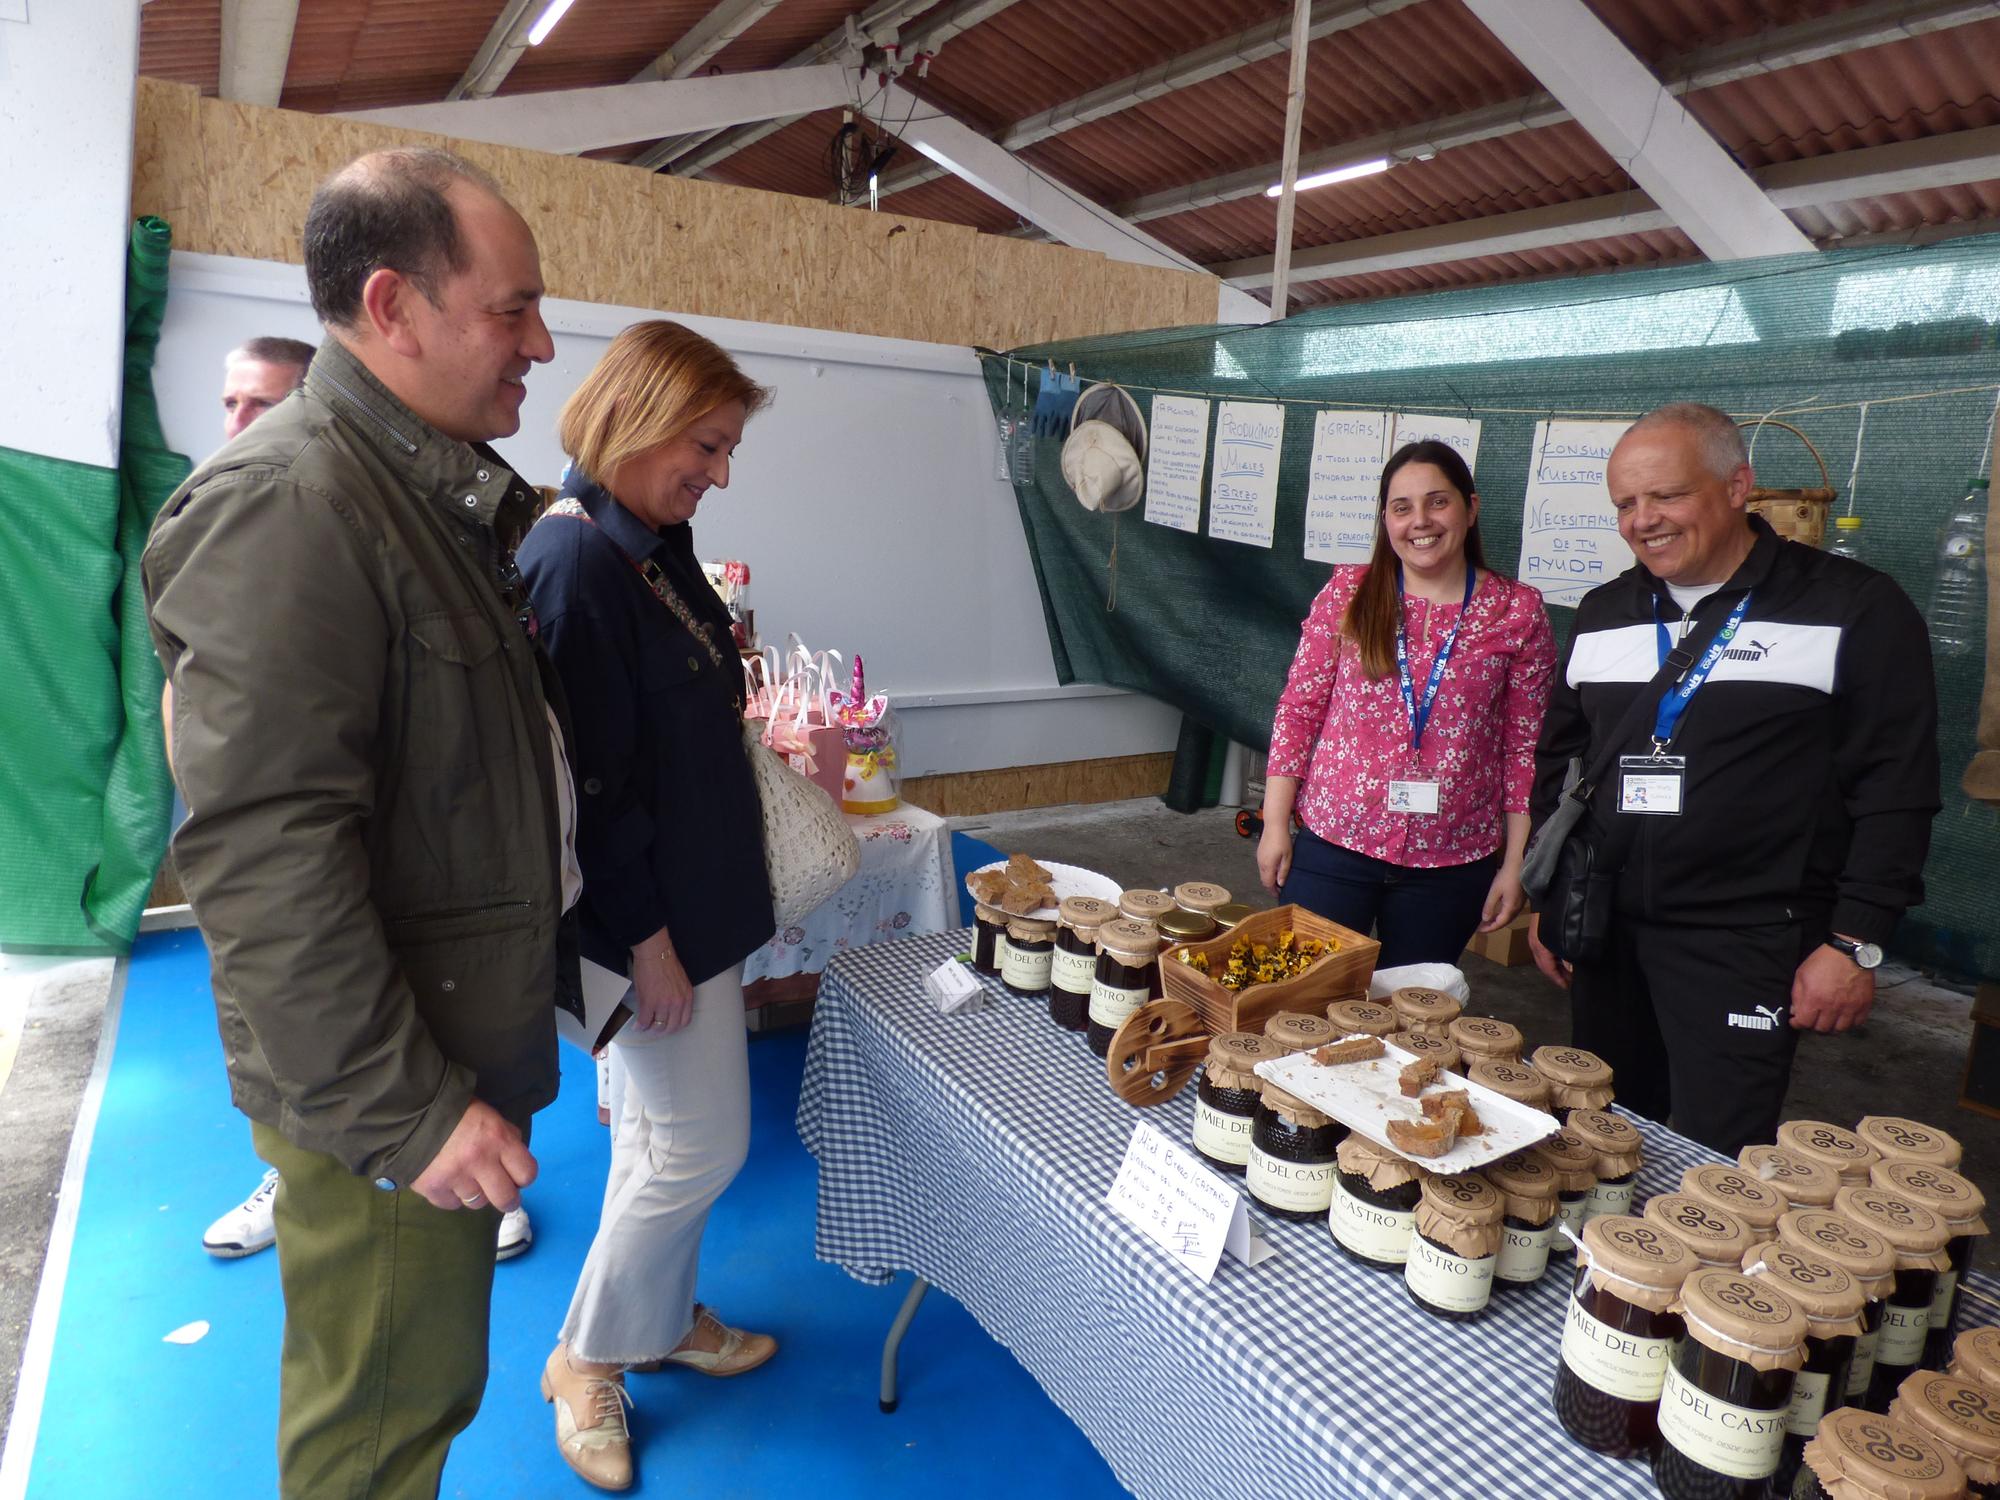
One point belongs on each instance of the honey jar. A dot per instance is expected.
(1295, 1031)
(1178, 927)
(1619, 1330)
(1074, 965)
(1832, 1302)
(1577, 1079)
(1484, 1037)
(1714, 1236)
(1843, 1150)
(1908, 1140)
(1728, 1387)
(1731, 1189)
(1575, 1168)
(1126, 977)
(1426, 1010)
(1143, 905)
(1202, 898)
(1030, 957)
(1455, 1246)
(1526, 1184)
(1960, 1417)
(1857, 1455)
(1953, 1198)
(989, 939)
(1515, 1080)
(1375, 1194)
(1423, 1045)
(1863, 1255)
(1226, 1097)
(1919, 1237)
(1975, 1356)
(1231, 915)
(1616, 1142)
(1362, 1018)
(1803, 1182)
(1291, 1166)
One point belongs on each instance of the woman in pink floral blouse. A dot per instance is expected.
(1405, 736)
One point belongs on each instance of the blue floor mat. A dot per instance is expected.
(129, 1415)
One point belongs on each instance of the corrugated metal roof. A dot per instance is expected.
(1428, 59)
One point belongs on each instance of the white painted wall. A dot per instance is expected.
(863, 500)
(66, 114)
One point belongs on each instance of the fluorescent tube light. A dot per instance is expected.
(1338, 174)
(556, 11)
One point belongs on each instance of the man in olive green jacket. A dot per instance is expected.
(377, 844)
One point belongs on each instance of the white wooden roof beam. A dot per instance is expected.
(506, 39)
(572, 120)
(256, 45)
(705, 39)
(1633, 117)
(1964, 156)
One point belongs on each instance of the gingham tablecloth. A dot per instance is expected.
(976, 1150)
(905, 886)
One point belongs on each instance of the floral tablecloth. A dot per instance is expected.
(906, 886)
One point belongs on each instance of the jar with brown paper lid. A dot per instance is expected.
(1619, 1151)
(1575, 1168)
(1577, 1079)
(1899, 1139)
(1730, 1188)
(1374, 1208)
(1953, 1198)
(1227, 1095)
(1960, 1417)
(1295, 1031)
(1426, 1010)
(1126, 977)
(1728, 1387)
(1862, 1254)
(1143, 905)
(1485, 1037)
(1074, 965)
(1975, 1356)
(1362, 1018)
(1857, 1455)
(1291, 1166)
(1832, 1302)
(1618, 1335)
(989, 939)
(1455, 1246)
(1202, 897)
(1803, 1182)
(1427, 1048)
(1030, 958)
(1513, 1080)
(1918, 1237)
(1714, 1236)
(1842, 1150)
(1526, 1184)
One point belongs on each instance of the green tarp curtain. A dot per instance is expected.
(1209, 626)
(86, 798)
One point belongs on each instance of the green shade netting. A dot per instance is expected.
(84, 793)
(1209, 626)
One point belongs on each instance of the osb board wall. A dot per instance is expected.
(1111, 779)
(234, 179)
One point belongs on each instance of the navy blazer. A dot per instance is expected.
(669, 830)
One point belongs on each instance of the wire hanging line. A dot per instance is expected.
(1854, 473)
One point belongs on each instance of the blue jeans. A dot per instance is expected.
(1423, 916)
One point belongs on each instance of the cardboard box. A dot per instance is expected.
(1508, 947)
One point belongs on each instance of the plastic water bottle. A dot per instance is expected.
(1958, 590)
(1846, 538)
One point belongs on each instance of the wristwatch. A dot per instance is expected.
(1866, 955)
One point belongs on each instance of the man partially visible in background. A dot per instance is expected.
(257, 375)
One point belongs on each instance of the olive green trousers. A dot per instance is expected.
(386, 1307)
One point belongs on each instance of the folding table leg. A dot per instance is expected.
(918, 1286)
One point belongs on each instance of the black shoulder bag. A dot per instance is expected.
(1570, 878)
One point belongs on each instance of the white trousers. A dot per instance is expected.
(680, 1122)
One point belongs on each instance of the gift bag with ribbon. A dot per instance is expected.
(871, 782)
(790, 699)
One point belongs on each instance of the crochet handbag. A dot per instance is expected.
(809, 851)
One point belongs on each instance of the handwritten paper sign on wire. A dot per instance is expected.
(1243, 487)
(1461, 432)
(1342, 482)
(1569, 533)
(1176, 448)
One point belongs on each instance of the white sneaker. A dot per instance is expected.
(246, 1228)
(516, 1234)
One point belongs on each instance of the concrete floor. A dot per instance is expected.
(1906, 1061)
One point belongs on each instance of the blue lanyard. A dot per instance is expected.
(1420, 713)
(1675, 701)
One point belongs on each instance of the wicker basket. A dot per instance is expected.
(1341, 975)
(1796, 515)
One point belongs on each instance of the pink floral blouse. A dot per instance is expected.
(1346, 737)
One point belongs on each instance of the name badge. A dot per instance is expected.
(1413, 797)
(1651, 784)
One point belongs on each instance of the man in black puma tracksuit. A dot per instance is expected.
(1809, 782)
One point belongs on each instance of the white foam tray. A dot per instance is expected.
(1364, 1097)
